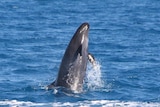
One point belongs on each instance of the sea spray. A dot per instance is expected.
(93, 76)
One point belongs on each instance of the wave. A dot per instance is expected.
(105, 103)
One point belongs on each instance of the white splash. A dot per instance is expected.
(93, 76)
(102, 103)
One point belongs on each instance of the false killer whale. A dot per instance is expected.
(74, 63)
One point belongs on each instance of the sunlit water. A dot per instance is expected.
(124, 39)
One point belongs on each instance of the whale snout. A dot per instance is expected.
(84, 27)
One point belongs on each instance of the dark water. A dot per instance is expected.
(124, 38)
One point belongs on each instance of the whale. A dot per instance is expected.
(73, 66)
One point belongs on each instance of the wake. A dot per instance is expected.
(104, 103)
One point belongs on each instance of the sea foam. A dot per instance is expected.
(103, 103)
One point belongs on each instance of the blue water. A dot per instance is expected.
(124, 37)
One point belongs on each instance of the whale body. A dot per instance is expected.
(74, 63)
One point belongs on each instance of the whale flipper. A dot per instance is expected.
(52, 85)
(91, 59)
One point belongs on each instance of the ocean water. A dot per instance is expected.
(124, 38)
